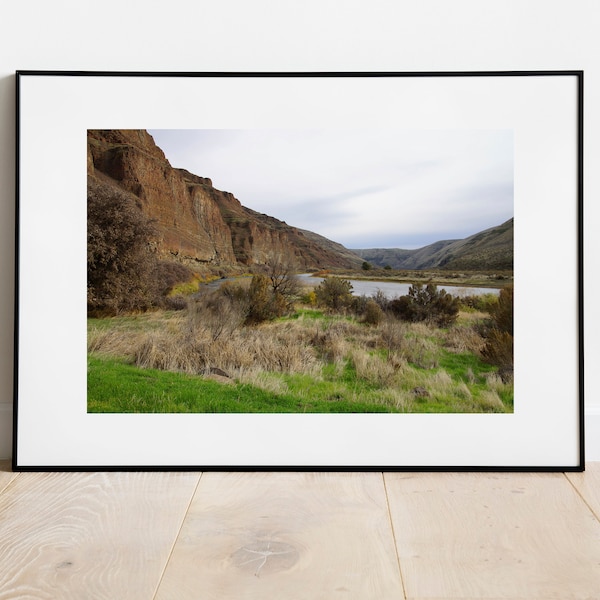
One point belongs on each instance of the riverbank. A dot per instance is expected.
(397, 284)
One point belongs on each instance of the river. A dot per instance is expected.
(392, 289)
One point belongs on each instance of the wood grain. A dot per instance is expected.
(484, 536)
(6, 475)
(587, 485)
(299, 535)
(89, 535)
(285, 535)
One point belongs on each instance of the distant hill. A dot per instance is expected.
(488, 249)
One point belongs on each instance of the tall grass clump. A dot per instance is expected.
(372, 368)
(213, 342)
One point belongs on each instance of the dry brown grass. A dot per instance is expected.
(414, 342)
(489, 400)
(373, 368)
(248, 350)
(111, 342)
(463, 339)
(392, 357)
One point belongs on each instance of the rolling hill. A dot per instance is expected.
(491, 249)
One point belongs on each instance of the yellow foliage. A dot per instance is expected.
(185, 289)
(311, 298)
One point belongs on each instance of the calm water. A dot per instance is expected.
(393, 289)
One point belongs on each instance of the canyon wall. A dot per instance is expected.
(196, 223)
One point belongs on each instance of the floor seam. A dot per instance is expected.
(589, 506)
(387, 500)
(176, 538)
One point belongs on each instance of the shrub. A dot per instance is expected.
(499, 345)
(373, 315)
(120, 260)
(502, 311)
(264, 303)
(381, 299)
(310, 298)
(218, 312)
(426, 304)
(476, 302)
(499, 351)
(168, 274)
(334, 293)
(177, 302)
(123, 272)
(359, 304)
(366, 266)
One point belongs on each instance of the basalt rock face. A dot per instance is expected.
(196, 223)
(189, 225)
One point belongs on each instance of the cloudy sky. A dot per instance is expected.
(362, 188)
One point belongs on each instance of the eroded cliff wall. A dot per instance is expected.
(196, 223)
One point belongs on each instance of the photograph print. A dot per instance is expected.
(269, 270)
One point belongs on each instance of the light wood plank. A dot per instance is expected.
(6, 474)
(588, 485)
(483, 536)
(285, 535)
(89, 535)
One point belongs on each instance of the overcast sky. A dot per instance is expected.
(362, 188)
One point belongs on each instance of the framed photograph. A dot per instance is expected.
(299, 271)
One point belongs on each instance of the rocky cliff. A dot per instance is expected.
(196, 223)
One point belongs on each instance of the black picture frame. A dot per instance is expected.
(54, 432)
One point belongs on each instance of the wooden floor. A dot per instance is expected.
(309, 536)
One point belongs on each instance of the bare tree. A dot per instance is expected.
(281, 271)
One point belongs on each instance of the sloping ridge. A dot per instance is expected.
(492, 248)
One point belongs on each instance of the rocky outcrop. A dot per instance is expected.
(189, 225)
(196, 223)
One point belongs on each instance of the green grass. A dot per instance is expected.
(117, 387)
(306, 313)
(471, 370)
(114, 386)
(463, 366)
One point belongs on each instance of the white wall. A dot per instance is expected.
(300, 35)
